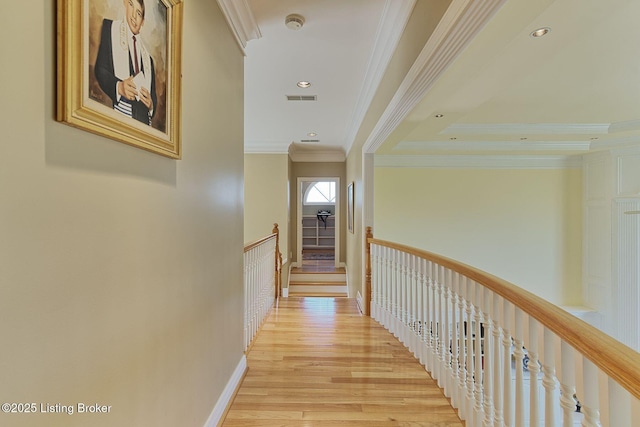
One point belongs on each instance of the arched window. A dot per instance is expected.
(321, 193)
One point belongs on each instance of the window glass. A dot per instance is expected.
(321, 193)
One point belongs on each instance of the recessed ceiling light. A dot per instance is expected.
(303, 84)
(438, 116)
(312, 134)
(540, 32)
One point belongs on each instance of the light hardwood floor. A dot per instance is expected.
(319, 362)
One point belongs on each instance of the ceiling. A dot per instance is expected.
(480, 84)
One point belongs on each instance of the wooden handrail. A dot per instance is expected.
(258, 242)
(619, 362)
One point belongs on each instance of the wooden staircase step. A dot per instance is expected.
(318, 294)
(316, 283)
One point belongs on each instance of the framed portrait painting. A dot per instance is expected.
(119, 70)
(350, 212)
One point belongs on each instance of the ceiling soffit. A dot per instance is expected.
(462, 21)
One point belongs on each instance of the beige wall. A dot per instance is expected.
(266, 200)
(120, 270)
(521, 225)
(311, 170)
(266, 197)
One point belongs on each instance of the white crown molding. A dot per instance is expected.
(628, 126)
(607, 144)
(392, 24)
(459, 25)
(241, 21)
(266, 147)
(318, 156)
(479, 162)
(527, 128)
(495, 145)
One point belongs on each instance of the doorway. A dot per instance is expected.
(318, 224)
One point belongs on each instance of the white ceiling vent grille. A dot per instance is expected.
(309, 140)
(302, 97)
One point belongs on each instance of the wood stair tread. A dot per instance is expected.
(318, 294)
(316, 283)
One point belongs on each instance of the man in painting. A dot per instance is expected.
(124, 68)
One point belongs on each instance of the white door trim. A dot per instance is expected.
(299, 216)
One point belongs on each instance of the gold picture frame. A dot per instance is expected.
(94, 45)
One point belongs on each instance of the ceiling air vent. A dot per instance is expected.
(302, 97)
(309, 140)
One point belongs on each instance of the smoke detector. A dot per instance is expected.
(294, 21)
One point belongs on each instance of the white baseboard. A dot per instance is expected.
(227, 394)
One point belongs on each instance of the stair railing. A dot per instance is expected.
(504, 356)
(262, 281)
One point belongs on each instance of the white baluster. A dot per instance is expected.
(440, 328)
(431, 359)
(590, 401)
(420, 310)
(497, 322)
(487, 308)
(567, 384)
(374, 287)
(412, 306)
(519, 358)
(634, 415)
(396, 293)
(455, 335)
(409, 303)
(437, 293)
(446, 321)
(469, 310)
(401, 297)
(549, 378)
(534, 369)
(462, 371)
(380, 283)
(619, 406)
(388, 288)
(423, 285)
(397, 329)
(508, 327)
(479, 357)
